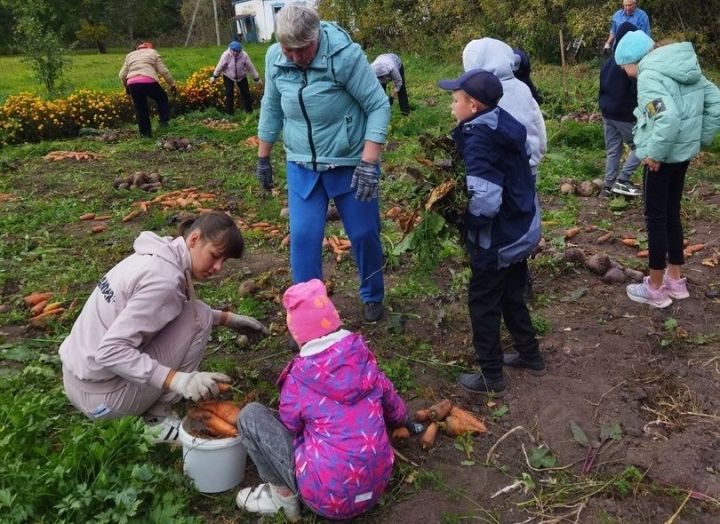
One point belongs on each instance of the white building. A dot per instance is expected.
(255, 19)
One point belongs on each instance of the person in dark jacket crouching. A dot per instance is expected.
(502, 221)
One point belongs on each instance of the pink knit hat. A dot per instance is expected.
(310, 313)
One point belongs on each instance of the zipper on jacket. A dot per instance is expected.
(307, 121)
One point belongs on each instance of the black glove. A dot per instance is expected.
(264, 173)
(127, 90)
(367, 181)
(173, 89)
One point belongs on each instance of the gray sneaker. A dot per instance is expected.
(606, 192)
(625, 188)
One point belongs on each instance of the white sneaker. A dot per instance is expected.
(164, 430)
(645, 294)
(265, 500)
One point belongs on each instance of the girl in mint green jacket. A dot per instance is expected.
(678, 109)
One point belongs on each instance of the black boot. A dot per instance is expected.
(479, 383)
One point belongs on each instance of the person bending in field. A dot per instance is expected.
(502, 224)
(136, 347)
(330, 446)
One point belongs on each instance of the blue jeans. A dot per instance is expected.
(308, 205)
(618, 132)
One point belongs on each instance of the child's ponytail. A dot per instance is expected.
(218, 228)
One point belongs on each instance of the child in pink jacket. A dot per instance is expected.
(330, 447)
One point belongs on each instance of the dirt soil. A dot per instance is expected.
(654, 372)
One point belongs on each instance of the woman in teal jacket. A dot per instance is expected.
(678, 109)
(322, 94)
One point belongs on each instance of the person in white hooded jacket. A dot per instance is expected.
(499, 58)
(136, 346)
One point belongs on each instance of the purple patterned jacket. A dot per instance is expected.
(337, 404)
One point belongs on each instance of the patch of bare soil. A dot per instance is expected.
(654, 375)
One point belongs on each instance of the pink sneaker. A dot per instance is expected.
(675, 288)
(645, 294)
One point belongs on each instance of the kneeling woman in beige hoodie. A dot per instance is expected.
(136, 347)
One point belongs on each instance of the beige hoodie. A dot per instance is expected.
(131, 303)
(145, 62)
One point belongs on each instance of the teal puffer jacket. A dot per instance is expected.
(327, 111)
(678, 108)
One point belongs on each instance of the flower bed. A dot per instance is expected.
(29, 118)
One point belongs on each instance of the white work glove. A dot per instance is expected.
(241, 322)
(212, 79)
(198, 385)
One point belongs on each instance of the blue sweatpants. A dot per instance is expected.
(308, 195)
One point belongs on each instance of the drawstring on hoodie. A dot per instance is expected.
(191, 293)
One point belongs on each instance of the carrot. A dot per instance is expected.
(440, 410)
(98, 229)
(132, 214)
(603, 238)
(219, 427)
(226, 410)
(224, 388)
(643, 254)
(569, 233)
(38, 308)
(630, 242)
(87, 216)
(428, 438)
(694, 248)
(460, 422)
(421, 415)
(400, 433)
(39, 319)
(285, 241)
(37, 297)
(103, 217)
(50, 307)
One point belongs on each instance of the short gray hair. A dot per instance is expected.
(297, 26)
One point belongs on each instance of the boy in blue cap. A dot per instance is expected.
(502, 222)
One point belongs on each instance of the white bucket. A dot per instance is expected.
(214, 464)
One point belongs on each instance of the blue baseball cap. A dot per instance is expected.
(482, 85)
(235, 46)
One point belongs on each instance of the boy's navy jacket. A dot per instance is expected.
(503, 215)
(618, 92)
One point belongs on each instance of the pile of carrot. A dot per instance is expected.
(214, 418)
(181, 198)
(41, 308)
(54, 156)
(452, 419)
(339, 246)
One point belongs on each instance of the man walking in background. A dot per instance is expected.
(630, 13)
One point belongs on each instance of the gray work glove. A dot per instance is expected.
(366, 179)
(241, 322)
(198, 385)
(264, 173)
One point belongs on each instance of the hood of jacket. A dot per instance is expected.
(172, 251)
(677, 61)
(333, 39)
(349, 362)
(491, 55)
(624, 29)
